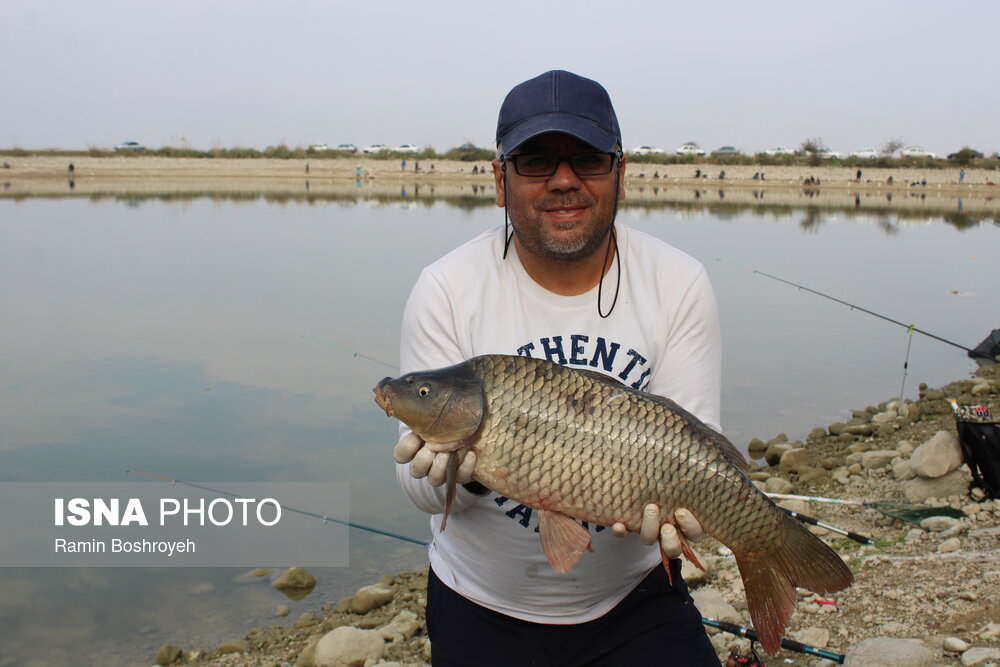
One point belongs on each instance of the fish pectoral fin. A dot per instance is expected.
(451, 486)
(563, 540)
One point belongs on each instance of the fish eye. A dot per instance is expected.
(424, 390)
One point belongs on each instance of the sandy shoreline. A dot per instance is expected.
(471, 183)
(147, 166)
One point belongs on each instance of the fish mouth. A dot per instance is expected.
(382, 397)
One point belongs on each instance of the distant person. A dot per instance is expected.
(697, 173)
(722, 174)
(857, 177)
(961, 176)
(888, 181)
(70, 168)
(403, 165)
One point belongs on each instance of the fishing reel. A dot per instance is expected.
(737, 659)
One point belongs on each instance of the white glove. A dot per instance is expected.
(432, 465)
(650, 529)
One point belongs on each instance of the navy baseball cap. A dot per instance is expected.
(558, 101)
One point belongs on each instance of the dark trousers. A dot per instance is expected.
(656, 624)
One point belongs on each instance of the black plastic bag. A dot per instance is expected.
(980, 443)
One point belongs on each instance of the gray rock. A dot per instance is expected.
(939, 524)
(888, 652)
(877, 459)
(904, 448)
(918, 490)
(884, 417)
(348, 646)
(902, 471)
(937, 456)
(370, 597)
(818, 637)
(282, 610)
(979, 655)
(403, 626)
(756, 446)
(798, 459)
(294, 578)
(817, 433)
(778, 485)
(775, 452)
(234, 646)
(711, 604)
(169, 654)
(989, 631)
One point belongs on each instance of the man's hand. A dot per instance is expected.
(432, 465)
(650, 529)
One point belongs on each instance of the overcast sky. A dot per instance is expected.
(205, 73)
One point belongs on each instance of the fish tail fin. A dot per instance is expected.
(803, 560)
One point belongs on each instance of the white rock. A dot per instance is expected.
(954, 645)
(887, 652)
(349, 646)
(988, 631)
(937, 456)
(370, 597)
(949, 545)
(711, 604)
(818, 637)
(877, 459)
(977, 656)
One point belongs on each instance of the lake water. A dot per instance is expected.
(179, 336)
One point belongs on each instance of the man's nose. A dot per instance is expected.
(564, 178)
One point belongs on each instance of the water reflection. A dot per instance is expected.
(169, 330)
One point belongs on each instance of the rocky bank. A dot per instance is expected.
(927, 595)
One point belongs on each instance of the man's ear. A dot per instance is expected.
(498, 173)
(621, 178)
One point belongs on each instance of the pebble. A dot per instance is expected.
(348, 646)
(955, 645)
(950, 545)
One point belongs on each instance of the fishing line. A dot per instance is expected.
(352, 352)
(286, 508)
(852, 306)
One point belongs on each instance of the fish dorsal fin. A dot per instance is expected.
(563, 540)
(725, 448)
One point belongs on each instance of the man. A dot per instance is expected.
(571, 286)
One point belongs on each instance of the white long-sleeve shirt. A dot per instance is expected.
(662, 337)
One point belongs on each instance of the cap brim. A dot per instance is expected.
(565, 123)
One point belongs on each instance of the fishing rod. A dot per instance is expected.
(722, 625)
(853, 306)
(324, 517)
(857, 537)
(789, 644)
(352, 352)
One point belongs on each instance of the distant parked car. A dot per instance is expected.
(376, 148)
(647, 150)
(346, 148)
(690, 149)
(406, 148)
(865, 154)
(727, 150)
(916, 151)
(133, 146)
(779, 150)
(973, 154)
(828, 154)
(319, 148)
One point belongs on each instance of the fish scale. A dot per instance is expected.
(577, 444)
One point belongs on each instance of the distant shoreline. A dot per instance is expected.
(118, 167)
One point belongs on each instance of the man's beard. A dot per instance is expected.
(563, 250)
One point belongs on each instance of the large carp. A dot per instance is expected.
(578, 444)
